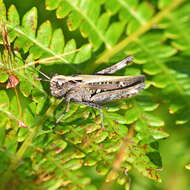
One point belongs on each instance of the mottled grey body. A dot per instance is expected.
(94, 90)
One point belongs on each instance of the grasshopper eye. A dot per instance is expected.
(59, 84)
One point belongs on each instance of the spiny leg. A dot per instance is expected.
(67, 100)
(116, 66)
(65, 111)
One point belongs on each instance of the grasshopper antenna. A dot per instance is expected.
(47, 77)
(44, 75)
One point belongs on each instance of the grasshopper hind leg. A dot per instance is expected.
(116, 67)
(92, 105)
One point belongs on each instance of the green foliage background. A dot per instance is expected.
(37, 153)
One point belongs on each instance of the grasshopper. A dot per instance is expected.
(95, 90)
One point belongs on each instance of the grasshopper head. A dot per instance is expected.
(60, 85)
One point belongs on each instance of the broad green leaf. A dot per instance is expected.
(159, 134)
(25, 88)
(159, 81)
(123, 130)
(101, 168)
(113, 6)
(182, 116)
(103, 21)
(73, 164)
(28, 30)
(83, 54)
(57, 41)
(89, 162)
(100, 137)
(146, 102)
(131, 115)
(13, 16)
(141, 125)
(51, 4)
(70, 45)
(74, 21)
(173, 108)
(152, 68)
(116, 118)
(22, 134)
(153, 120)
(29, 22)
(43, 37)
(63, 10)
(14, 21)
(114, 32)
(3, 11)
(4, 77)
(41, 105)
